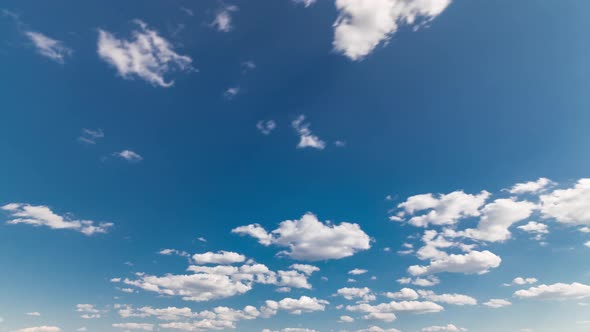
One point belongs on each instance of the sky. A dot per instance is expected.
(295, 166)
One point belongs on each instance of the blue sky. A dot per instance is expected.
(295, 166)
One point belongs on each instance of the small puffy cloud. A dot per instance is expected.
(306, 138)
(568, 206)
(531, 187)
(558, 291)
(231, 93)
(351, 293)
(346, 319)
(534, 227)
(88, 311)
(455, 299)
(266, 127)
(497, 303)
(135, 326)
(474, 262)
(364, 24)
(446, 209)
(293, 306)
(448, 328)
(40, 329)
(221, 257)
(129, 155)
(520, 281)
(429, 281)
(41, 215)
(147, 55)
(305, 268)
(386, 311)
(49, 47)
(170, 252)
(403, 294)
(309, 239)
(90, 136)
(357, 271)
(223, 19)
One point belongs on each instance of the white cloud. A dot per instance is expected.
(534, 227)
(497, 303)
(522, 281)
(291, 329)
(455, 299)
(357, 271)
(346, 319)
(306, 138)
(447, 209)
(34, 314)
(363, 24)
(558, 291)
(377, 329)
(351, 293)
(293, 306)
(386, 311)
(88, 311)
(497, 218)
(266, 127)
(403, 294)
(40, 329)
(448, 328)
(169, 252)
(135, 326)
(41, 215)
(568, 206)
(474, 262)
(231, 93)
(48, 47)
(90, 136)
(129, 155)
(221, 257)
(531, 187)
(305, 268)
(587, 244)
(223, 18)
(147, 55)
(305, 3)
(311, 240)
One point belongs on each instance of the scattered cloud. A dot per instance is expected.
(448, 328)
(293, 306)
(497, 303)
(309, 239)
(357, 271)
(386, 311)
(223, 19)
(362, 294)
(558, 291)
(41, 215)
(40, 329)
(568, 206)
(520, 281)
(266, 127)
(135, 326)
(34, 314)
(146, 55)
(49, 47)
(221, 257)
(531, 187)
(90, 136)
(363, 24)
(455, 299)
(129, 155)
(231, 93)
(306, 138)
(88, 311)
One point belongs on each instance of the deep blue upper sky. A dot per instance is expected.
(485, 95)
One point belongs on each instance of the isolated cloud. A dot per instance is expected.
(309, 239)
(223, 18)
(363, 24)
(497, 303)
(522, 281)
(357, 271)
(306, 138)
(531, 187)
(90, 136)
(41, 215)
(221, 257)
(49, 47)
(266, 127)
(129, 155)
(568, 206)
(146, 55)
(558, 291)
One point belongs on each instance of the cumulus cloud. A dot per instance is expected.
(306, 138)
(88, 311)
(455, 299)
(351, 293)
(558, 291)
(403, 294)
(364, 24)
(346, 319)
(41, 215)
(309, 239)
(357, 271)
(522, 281)
(446, 209)
(221, 257)
(135, 326)
(40, 329)
(146, 55)
(497, 303)
(534, 227)
(129, 155)
(49, 47)
(305, 268)
(386, 311)
(568, 206)
(474, 262)
(293, 306)
(223, 18)
(531, 187)
(266, 127)
(447, 328)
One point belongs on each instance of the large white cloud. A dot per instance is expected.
(558, 291)
(309, 239)
(363, 24)
(568, 206)
(147, 55)
(40, 215)
(49, 47)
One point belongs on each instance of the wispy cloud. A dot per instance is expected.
(90, 136)
(306, 138)
(49, 47)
